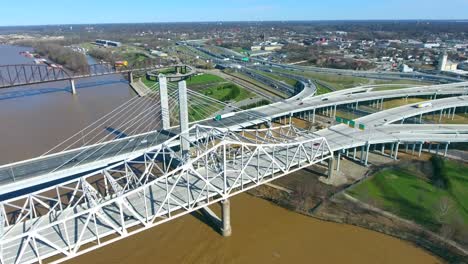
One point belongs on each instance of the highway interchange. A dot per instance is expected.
(303, 104)
(65, 164)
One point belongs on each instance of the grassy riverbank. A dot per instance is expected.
(412, 192)
(409, 187)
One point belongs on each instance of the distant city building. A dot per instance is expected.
(430, 45)
(272, 47)
(256, 48)
(107, 43)
(445, 64)
(158, 53)
(405, 68)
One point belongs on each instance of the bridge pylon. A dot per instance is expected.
(164, 101)
(183, 119)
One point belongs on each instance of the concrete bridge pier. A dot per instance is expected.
(223, 223)
(331, 161)
(396, 151)
(72, 86)
(226, 213)
(130, 77)
(366, 159)
(446, 149)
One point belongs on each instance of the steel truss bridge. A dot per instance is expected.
(27, 74)
(137, 194)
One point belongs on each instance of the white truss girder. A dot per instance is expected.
(134, 195)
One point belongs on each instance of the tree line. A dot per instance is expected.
(59, 54)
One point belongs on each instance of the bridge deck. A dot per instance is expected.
(64, 232)
(92, 157)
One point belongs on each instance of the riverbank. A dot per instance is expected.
(314, 199)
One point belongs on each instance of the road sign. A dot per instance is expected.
(218, 117)
(352, 124)
(362, 126)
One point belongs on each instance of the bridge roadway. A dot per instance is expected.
(100, 216)
(379, 129)
(25, 174)
(370, 74)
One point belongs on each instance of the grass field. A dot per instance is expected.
(347, 115)
(343, 82)
(410, 82)
(400, 102)
(204, 79)
(257, 83)
(211, 86)
(459, 119)
(406, 191)
(288, 81)
(321, 89)
(227, 92)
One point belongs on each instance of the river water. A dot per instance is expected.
(34, 119)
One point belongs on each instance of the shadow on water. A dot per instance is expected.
(119, 134)
(42, 91)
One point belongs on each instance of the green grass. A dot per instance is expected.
(227, 92)
(407, 193)
(347, 115)
(204, 79)
(343, 82)
(288, 81)
(321, 89)
(401, 82)
(459, 118)
(337, 81)
(257, 104)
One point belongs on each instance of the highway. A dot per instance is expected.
(32, 172)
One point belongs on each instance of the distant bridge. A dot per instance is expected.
(27, 74)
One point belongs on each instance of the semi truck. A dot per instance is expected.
(223, 116)
(423, 105)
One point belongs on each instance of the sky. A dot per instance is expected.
(47, 12)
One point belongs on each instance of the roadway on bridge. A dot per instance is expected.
(61, 165)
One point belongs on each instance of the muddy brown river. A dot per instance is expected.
(262, 233)
(34, 119)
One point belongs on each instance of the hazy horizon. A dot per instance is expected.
(53, 12)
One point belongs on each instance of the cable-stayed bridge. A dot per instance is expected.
(156, 161)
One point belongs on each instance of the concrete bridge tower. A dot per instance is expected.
(164, 101)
